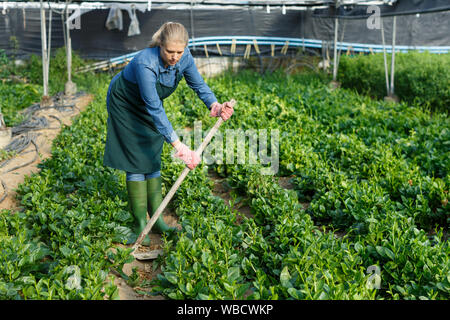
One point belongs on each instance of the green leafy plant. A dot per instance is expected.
(420, 78)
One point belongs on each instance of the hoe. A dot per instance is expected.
(148, 255)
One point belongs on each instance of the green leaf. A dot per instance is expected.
(228, 287)
(389, 253)
(196, 267)
(400, 289)
(285, 278)
(182, 287)
(294, 293)
(323, 296)
(233, 274)
(358, 247)
(205, 258)
(244, 264)
(202, 296)
(173, 296)
(171, 277)
(380, 250)
(65, 251)
(189, 288)
(122, 234)
(242, 290)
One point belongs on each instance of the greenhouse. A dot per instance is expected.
(224, 150)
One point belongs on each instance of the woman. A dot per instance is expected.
(137, 122)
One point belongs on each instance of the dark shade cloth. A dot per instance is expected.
(94, 41)
(399, 8)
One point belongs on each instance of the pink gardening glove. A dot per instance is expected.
(189, 157)
(224, 110)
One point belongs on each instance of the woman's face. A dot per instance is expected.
(172, 52)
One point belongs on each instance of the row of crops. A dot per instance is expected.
(374, 177)
(376, 173)
(421, 78)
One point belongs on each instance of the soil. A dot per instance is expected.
(144, 268)
(286, 182)
(43, 139)
(222, 190)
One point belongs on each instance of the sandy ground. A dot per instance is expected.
(43, 139)
(144, 268)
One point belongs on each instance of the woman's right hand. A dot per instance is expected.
(188, 156)
(224, 110)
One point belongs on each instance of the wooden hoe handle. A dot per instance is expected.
(176, 185)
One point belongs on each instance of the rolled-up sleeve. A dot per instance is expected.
(195, 82)
(146, 79)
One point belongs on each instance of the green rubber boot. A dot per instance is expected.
(137, 201)
(154, 199)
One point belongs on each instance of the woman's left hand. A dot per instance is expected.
(224, 110)
(188, 156)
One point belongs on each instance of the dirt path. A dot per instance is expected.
(222, 190)
(43, 139)
(144, 268)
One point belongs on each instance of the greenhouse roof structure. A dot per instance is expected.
(199, 4)
(325, 8)
(145, 4)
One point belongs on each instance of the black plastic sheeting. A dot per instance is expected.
(400, 7)
(94, 41)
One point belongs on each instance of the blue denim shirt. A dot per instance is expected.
(144, 69)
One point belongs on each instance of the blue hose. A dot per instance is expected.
(293, 42)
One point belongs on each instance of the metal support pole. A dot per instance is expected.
(68, 49)
(70, 88)
(388, 90)
(192, 23)
(49, 48)
(394, 29)
(44, 51)
(342, 40)
(336, 25)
